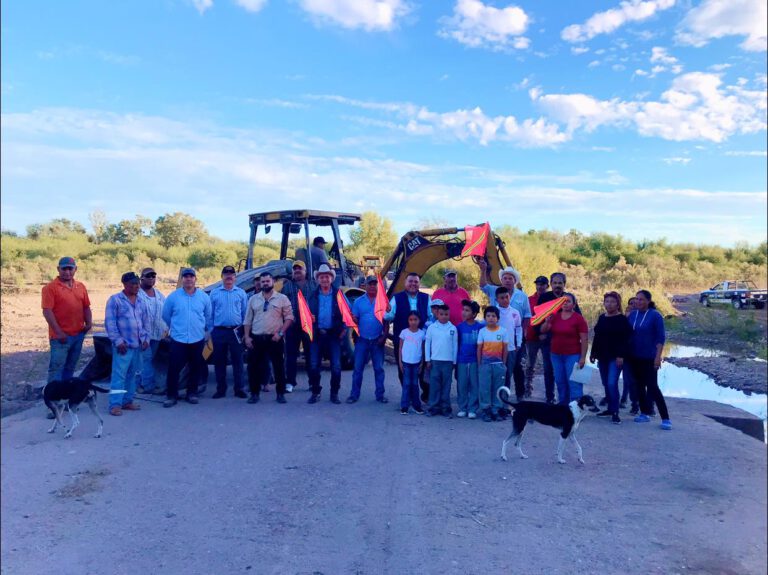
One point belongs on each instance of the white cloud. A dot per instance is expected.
(748, 153)
(251, 5)
(676, 160)
(664, 62)
(577, 50)
(370, 15)
(464, 124)
(696, 107)
(719, 18)
(202, 5)
(611, 20)
(479, 25)
(91, 156)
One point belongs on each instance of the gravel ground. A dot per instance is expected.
(226, 487)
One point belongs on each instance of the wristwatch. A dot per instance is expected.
(280, 333)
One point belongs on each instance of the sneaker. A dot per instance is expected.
(603, 402)
(666, 424)
(623, 405)
(241, 394)
(634, 411)
(170, 402)
(313, 398)
(288, 388)
(132, 406)
(218, 395)
(605, 413)
(642, 418)
(254, 398)
(404, 410)
(418, 411)
(351, 400)
(335, 398)
(487, 416)
(461, 414)
(115, 411)
(471, 415)
(281, 398)
(652, 414)
(192, 399)
(382, 400)
(615, 419)
(447, 413)
(501, 415)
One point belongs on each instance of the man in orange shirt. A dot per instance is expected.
(67, 310)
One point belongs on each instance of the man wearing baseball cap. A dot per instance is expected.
(187, 312)
(317, 252)
(295, 337)
(154, 300)
(125, 319)
(228, 306)
(536, 342)
(67, 310)
(452, 295)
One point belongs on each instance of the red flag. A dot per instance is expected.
(476, 240)
(346, 313)
(305, 316)
(381, 305)
(543, 311)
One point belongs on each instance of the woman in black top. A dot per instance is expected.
(609, 347)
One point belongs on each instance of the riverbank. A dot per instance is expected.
(747, 375)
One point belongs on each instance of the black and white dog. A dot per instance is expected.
(566, 419)
(70, 394)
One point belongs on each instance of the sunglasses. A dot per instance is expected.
(266, 305)
(152, 275)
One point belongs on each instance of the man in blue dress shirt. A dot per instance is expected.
(228, 306)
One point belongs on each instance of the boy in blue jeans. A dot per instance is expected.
(410, 358)
(492, 350)
(440, 349)
(466, 368)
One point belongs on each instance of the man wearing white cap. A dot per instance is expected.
(451, 294)
(509, 277)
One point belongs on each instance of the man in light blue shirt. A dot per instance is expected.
(187, 312)
(370, 343)
(228, 306)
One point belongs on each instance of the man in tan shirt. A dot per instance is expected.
(267, 318)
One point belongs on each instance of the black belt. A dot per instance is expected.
(226, 327)
(263, 335)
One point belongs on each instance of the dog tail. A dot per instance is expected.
(95, 387)
(503, 393)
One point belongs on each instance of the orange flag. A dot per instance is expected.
(305, 316)
(543, 311)
(381, 304)
(476, 240)
(346, 313)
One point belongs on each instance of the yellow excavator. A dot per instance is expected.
(417, 251)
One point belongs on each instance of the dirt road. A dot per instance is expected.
(226, 487)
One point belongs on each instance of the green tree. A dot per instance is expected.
(126, 231)
(373, 236)
(57, 228)
(179, 229)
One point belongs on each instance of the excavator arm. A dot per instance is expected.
(419, 250)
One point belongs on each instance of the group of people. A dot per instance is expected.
(436, 338)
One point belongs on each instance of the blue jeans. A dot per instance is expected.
(490, 379)
(609, 374)
(125, 369)
(466, 387)
(533, 348)
(562, 366)
(64, 357)
(365, 349)
(147, 376)
(410, 393)
(440, 379)
(331, 345)
(225, 343)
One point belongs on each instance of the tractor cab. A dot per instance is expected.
(298, 229)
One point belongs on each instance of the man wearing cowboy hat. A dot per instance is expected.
(295, 337)
(328, 330)
(509, 277)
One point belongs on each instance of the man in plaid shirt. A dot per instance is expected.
(126, 320)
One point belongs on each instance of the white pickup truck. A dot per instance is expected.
(739, 294)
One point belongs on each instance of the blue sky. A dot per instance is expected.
(642, 117)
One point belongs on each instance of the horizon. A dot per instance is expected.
(642, 118)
